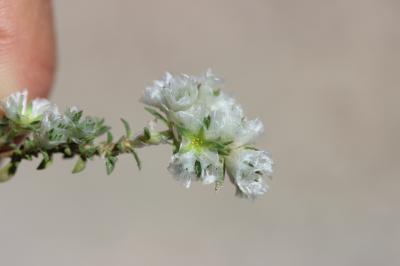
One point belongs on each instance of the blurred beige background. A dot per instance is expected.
(322, 75)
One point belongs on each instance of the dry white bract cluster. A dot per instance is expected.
(211, 133)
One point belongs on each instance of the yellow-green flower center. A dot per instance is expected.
(196, 143)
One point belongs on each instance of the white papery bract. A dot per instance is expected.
(181, 93)
(225, 122)
(182, 168)
(211, 130)
(248, 169)
(209, 80)
(172, 93)
(15, 105)
(191, 119)
(248, 131)
(53, 130)
(17, 108)
(154, 95)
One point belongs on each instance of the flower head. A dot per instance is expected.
(17, 108)
(210, 131)
(172, 93)
(83, 130)
(248, 169)
(153, 95)
(53, 130)
(180, 93)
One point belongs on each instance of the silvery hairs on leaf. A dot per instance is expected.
(207, 129)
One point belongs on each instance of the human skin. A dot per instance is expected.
(27, 47)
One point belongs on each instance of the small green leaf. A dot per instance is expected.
(88, 151)
(46, 156)
(42, 165)
(128, 130)
(67, 152)
(109, 137)
(110, 163)
(28, 143)
(223, 152)
(166, 134)
(156, 114)
(217, 92)
(197, 168)
(146, 133)
(102, 129)
(46, 161)
(207, 122)
(79, 166)
(251, 148)
(137, 159)
(228, 142)
(77, 116)
(8, 171)
(74, 114)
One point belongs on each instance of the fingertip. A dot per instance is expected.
(27, 50)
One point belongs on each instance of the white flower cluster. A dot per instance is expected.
(211, 133)
(18, 109)
(49, 127)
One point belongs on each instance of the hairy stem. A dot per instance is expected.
(109, 150)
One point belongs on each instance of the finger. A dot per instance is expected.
(27, 52)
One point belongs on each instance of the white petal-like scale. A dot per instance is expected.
(191, 119)
(15, 105)
(52, 130)
(181, 93)
(249, 131)
(252, 188)
(211, 166)
(153, 96)
(39, 107)
(182, 168)
(224, 123)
